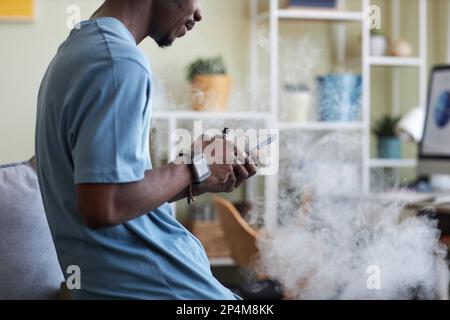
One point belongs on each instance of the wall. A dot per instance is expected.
(27, 48)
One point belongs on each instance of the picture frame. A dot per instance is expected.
(17, 10)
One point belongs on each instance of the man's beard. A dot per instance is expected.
(165, 42)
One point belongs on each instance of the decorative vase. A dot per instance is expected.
(378, 46)
(389, 148)
(402, 48)
(339, 97)
(211, 92)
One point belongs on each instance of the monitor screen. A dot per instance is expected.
(436, 139)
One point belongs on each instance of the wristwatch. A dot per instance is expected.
(200, 168)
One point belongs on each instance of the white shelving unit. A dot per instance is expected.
(396, 63)
(321, 126)
(323, 15)
(194, 115)
(387, 163)
(275, 15)
(221, 262)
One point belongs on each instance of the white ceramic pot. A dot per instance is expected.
(297, 101)
(299, 107)
(378, 46)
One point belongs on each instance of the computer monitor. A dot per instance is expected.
(434, 150)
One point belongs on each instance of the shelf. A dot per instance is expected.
(393, 163)
(395, 61)
(197, 115)
(221, 262)
(277, 16)
(316, 14)
(321, 126)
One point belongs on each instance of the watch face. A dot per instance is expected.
(201, 167)
(198, 159)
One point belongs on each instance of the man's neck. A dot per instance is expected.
(135, 15)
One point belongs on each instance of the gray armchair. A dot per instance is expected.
(29, 267)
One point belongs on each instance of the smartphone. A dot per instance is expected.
(270, 139)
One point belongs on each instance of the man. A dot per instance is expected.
(107, 209)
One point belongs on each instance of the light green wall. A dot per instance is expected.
(27, 48)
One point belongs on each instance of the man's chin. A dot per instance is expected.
(165, 42)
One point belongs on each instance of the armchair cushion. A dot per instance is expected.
(29, 267)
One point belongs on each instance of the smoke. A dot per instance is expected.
(334, 242)
(331, 240)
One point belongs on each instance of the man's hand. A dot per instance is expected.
(229, 166)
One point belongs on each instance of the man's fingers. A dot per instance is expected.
(241, 157)
(241, 174)
(251, 169)
(240, 153)
(227, 171)
(229, 185)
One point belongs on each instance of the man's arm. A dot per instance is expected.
(107, 205)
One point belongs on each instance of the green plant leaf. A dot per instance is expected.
(386, 127)
(206, 67)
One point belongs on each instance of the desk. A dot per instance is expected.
(440, 212)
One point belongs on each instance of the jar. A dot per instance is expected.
(298, 102)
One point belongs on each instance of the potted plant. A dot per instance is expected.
(389, 145)
(378, 43)
(210, 84)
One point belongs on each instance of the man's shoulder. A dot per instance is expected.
(122, 53)
(102, 41)
(120, 44)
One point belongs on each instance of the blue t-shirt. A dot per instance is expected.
(93, 121)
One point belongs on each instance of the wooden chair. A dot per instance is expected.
(446, 241)
(242, 239)
(240, 236)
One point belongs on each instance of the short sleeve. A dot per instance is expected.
(110, 129)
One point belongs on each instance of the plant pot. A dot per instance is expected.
(378, 46)
(339, 97)
(211, 92)
(389, 148)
